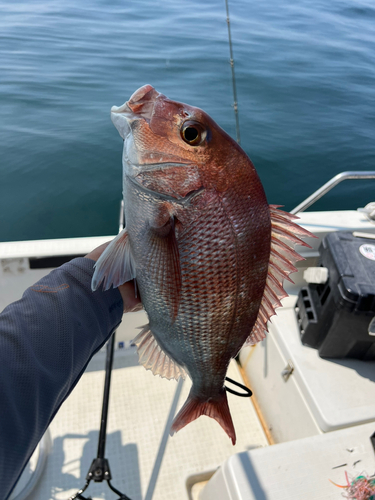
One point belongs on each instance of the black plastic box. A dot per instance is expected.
(335, 317)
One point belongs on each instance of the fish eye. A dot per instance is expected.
(193, 133)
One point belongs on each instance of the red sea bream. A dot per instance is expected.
(208, 253)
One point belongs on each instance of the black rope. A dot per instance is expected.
(231, 61)
(246, 394)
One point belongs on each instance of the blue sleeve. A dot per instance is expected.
(46, 341)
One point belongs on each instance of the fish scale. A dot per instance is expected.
(208, 253)
(204, 299)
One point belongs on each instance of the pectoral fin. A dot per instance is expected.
(163, 263)
(116, 265)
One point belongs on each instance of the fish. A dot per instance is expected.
(208, 253)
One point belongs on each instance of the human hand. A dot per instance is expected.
(131, 302)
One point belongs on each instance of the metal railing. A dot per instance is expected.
(343, 176)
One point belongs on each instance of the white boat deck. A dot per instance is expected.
(146, 463)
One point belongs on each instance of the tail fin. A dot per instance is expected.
(195, 407)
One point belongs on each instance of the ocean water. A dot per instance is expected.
(305, 81)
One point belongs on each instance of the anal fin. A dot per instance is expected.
(116, 265)
(153, 358)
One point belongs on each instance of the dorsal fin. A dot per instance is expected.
(282, 258)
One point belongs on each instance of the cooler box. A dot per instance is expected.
(337, 317)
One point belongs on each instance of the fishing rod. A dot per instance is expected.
(99, 470)
(231, 62)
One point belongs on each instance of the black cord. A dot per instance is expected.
(246, 394)
(122, 495)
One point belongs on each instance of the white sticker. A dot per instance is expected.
(368, 251)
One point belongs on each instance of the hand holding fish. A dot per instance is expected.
(208, 252)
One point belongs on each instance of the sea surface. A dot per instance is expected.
(306, 95)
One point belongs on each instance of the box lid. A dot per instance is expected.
(298, 469)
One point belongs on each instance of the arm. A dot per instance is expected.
(46, 341)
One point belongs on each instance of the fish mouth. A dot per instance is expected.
(150, 106)
(139, 106)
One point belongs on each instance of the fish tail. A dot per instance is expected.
(217, 409)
